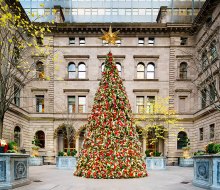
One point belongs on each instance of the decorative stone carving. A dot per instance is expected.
(202, 170)
(20, 169)
(36, 161)
(186, 162)
(207, 171)
(2, 171)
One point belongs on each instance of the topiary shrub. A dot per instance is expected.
(216, 148)
(147, 153)
(60, 153)
(210, 148)
(73, 153)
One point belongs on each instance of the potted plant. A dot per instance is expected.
(66, 160)
(155, 160)
(35, 159)
(12, 147)
(186, 160)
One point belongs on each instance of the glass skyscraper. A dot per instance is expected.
(107, 11)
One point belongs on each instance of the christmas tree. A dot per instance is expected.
(111, 148)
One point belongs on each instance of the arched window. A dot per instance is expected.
(118, 65)
(39, 70)
(213, 51)
(82, 70)
(183, 70)
(71, 71)
(17, 135)
(41, 138)
(140, 71)
(150, 71)
(204, 60)
(182, 140)
(103, 67)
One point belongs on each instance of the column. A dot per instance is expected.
(77, 145)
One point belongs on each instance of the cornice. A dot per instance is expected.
(125, 28)
(146, 90)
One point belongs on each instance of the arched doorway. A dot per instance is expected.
(40, 136)
(81, 137)
(153, 141)
(17, 136)
(65, 138)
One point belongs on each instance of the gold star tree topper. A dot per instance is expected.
(110, 37)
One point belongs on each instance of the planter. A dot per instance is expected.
(66, 162)
(186, 162)
(156, 163)
(35, 161)
(186, 152)
(14, 170)
(207, 171)
(2, 149)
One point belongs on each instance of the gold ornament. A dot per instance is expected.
(110, 37)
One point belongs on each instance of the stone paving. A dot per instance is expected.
(50, 178)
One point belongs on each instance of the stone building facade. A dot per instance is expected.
(154, 59)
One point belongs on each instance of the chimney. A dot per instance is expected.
(59, 16)
(162, 15)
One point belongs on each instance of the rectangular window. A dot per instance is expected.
(182, 103)
(212, 92)
(183, 41)
(151, 41)
(140, 41)
(71, 41)
(201, 134)
(16, 95)
(81, 104)
(203, 98)
(104, 43)
(140, 104)
(40, 104)
(118, 42)
(82, 41)
(39, 40)
(150, 104)
(71, 104)
(212, 131)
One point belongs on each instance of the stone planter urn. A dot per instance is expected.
(156, 163)
(35, 151)
(66, 162)
(207, 171)
(14, 170)
(186, 162)
(35, 161)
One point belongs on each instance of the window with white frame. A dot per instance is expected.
(118, 65)
(103, 67)
(82, 104)
(82, 41)
(82, 70)
(141, 41)
(71, 104)
(40, 103)
(140, 71)
(151, 41)
(71, 70)
(140, 104)
(39, 70)
(150, 104)
(183, 70)
(150, 71)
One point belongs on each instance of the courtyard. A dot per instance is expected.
(47, 177)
